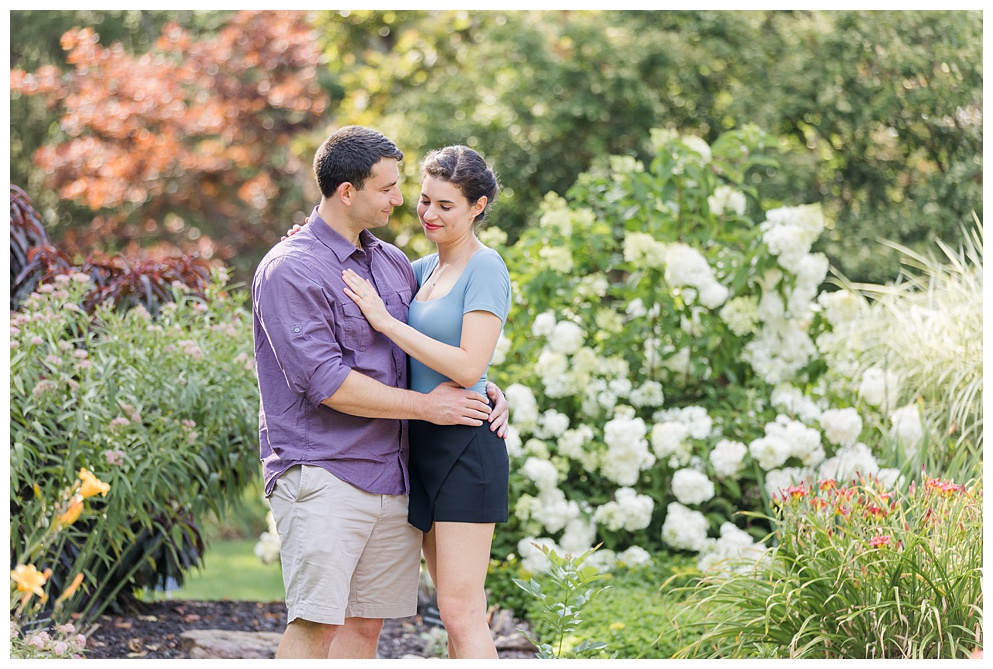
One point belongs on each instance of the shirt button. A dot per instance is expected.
(296, 329)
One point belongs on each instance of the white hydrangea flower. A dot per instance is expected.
(726, 198)
(492, 237)
(551, 425)
(555, 511)
(532, 558)
(779, 351)
(890, 477)
(542, 472)
(842, 426)
(808, 217)
(267, 547)
(578, 536)
(513, 441)
(648, 394)
(557, 258)
(501, 350)
(558, 217)
(551, 363)
(693, 417)
(602, 560)
(634, 556)
(728, 457)
(880, 388)
(544, 324)
(627, 511)
(769, 452)
(788, 243)
(907, 427)
(848, 463)
(734, 551)
(778, 480)
(691, 487)
(525, 506)
(643, 250)
(741, 314)
(791, 400)
(572, 442)
(713, 294)
(841, 306)
(537, 448)
(805, 442)
(771, 308)
(699, 145)
(627, 453)
(670, 440)
(523, 407)
(635, 308)
(684, 529)
(686, 266)
(566, 338)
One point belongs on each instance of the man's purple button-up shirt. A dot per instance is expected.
(308, 336)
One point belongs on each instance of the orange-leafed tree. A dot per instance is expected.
(188, 147)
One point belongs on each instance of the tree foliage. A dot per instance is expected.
(190, 142)
(878, 114)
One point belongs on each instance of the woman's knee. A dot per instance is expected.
(460, 612)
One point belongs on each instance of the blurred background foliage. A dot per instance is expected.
(877, 115)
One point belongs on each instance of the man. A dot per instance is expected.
(334, 400)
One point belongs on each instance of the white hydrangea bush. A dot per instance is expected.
(674, 360)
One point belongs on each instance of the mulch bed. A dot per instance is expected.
(154, 630)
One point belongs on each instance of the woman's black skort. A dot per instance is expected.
(458, 473)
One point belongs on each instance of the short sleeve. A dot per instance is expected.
(488, 287)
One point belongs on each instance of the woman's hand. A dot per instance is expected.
(364, 294)
(292, 231)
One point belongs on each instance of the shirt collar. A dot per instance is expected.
(340, 246)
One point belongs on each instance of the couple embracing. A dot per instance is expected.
(380, 436)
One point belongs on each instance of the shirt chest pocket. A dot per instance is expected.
(397, 303)
(357, 334)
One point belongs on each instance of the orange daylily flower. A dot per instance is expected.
(70, 589)
(71, 514)
(91, 484)
(29, 580)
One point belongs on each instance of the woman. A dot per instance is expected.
(459, 474)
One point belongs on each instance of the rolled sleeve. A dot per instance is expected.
(298, 320)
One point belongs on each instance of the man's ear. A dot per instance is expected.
(346, 193)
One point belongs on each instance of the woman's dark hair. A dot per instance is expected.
(466, 170)
(349, 155)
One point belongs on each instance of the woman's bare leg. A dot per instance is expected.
(458, 555)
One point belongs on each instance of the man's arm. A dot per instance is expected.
(448, 404)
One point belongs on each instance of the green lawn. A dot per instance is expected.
(230, 571)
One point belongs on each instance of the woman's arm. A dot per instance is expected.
(464, 364)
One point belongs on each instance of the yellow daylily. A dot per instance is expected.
(72, 513)
(29, 580)
(70, 589)
(91, 484)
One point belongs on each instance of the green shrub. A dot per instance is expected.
(857, 571)
(662, 359)
(163, 409)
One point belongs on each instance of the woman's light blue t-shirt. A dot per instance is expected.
(483, 286)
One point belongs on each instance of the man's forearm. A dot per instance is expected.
(360, 395)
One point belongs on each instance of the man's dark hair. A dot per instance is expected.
(349, 155)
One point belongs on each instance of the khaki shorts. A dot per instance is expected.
(345, 553)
